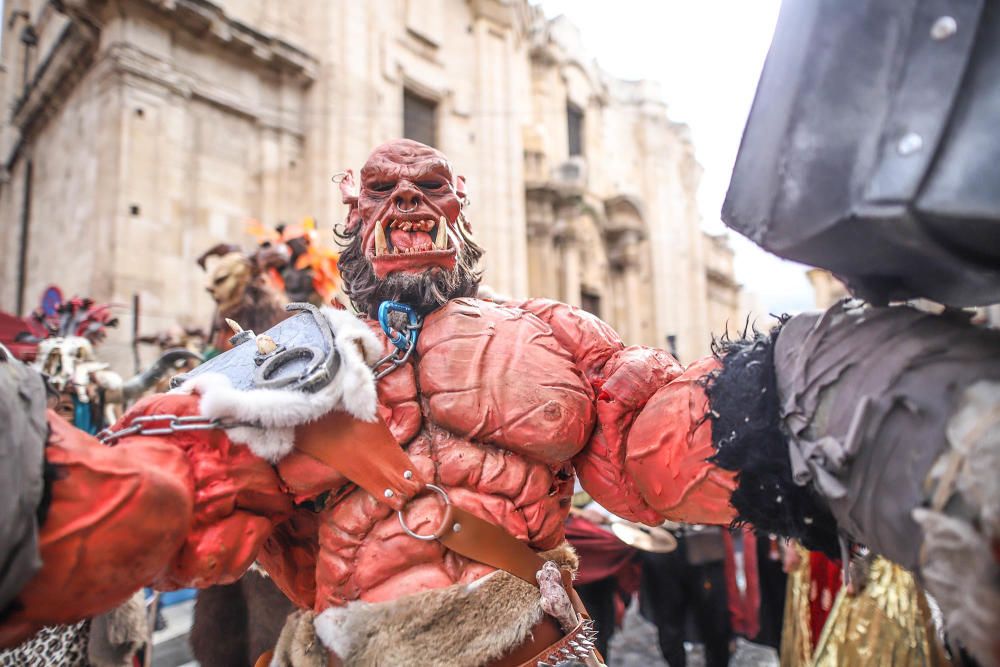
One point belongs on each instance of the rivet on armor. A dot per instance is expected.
(910, 143)
(943, 28)
(408, 474)
(389, 493)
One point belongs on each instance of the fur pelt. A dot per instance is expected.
(118, 635)
(958, 557)
(459, 626)
(298, 645)
(747, 435)
(278, 411)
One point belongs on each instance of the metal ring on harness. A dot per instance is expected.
(445, 522)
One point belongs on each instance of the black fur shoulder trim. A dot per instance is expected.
(748, 439)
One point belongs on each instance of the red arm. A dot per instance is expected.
(187, 509)
(646, 458)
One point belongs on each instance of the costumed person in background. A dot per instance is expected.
(814, 580)
(880, 617)
(294, 263)
(608, 572)
(236, 622)
(239, 287)
(755, 585)
(66, 334)
(772, 584)
(686, 588)
(404, 477)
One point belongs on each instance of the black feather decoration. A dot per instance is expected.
(748, 438)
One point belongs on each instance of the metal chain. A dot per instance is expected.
(145, 425)
(397, 357)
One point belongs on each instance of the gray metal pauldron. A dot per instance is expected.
(304, 357)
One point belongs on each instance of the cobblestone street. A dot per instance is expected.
(636, 646)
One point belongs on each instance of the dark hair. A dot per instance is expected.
(424, 292)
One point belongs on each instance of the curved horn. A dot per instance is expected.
(139, 383)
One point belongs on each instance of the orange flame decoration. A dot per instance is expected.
(322, 261)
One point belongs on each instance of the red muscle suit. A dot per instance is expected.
(499, 407)
(512, 401)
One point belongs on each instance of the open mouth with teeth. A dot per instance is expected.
(409, 245)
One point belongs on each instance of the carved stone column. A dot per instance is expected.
(625, 260)
(569, 253)
(543, 257)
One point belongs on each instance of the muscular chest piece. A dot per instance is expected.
(491, 374)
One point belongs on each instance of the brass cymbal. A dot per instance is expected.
(644, 538)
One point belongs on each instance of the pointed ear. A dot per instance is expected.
(349, 188)
(349, 194)
(460, 188)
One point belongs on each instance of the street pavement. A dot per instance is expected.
(634, 645)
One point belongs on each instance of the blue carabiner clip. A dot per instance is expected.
(395, 337)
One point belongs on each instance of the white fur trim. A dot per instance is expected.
(335, 630)
(279, 411)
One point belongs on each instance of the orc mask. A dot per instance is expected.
(406, 234)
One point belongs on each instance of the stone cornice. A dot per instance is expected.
(206, 19)
(134, 62)
(68, 59)
(60, 69)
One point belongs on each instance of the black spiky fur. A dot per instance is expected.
(748, 438)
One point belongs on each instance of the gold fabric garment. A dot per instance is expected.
(796, 650)
(887, 623)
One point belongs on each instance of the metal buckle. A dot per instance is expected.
(445, 522)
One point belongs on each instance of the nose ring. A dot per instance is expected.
(399, 205)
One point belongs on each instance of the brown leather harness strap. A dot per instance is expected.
(489, 543)
(365, 453)
(368, 455)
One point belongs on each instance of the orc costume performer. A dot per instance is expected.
(405, 477)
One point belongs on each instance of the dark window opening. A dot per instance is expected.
(574, 125)
(591, 302)
(419, 118)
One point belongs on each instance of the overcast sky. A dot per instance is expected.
(707, 54)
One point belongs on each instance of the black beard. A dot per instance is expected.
(423, 292)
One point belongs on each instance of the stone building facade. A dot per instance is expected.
(137, 133)
(827, 289)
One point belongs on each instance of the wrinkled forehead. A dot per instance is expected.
(405, 158)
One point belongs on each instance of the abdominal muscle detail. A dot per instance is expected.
(364, 554)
